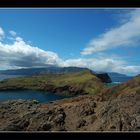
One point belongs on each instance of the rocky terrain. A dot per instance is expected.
(82, 113)
(130, 87)
(113, 109)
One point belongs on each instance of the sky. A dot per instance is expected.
(104, 40)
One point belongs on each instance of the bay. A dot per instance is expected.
(113, 84)
(40, 96)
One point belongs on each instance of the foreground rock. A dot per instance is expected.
(83, 113)
(121, 114)
(65, 115)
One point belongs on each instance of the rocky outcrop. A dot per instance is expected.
(29, 116)
(120, 114)
(66, 90)
(104, 77)
(65, 115)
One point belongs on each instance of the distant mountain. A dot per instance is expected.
(45, 70)
(117, 77)
(52, 70)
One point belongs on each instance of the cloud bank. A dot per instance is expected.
(127, 34)
(21, 54)
(101, 64)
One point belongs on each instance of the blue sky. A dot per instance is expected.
(100, 39)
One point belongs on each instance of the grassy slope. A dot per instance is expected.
(83, 80)
(130, 87)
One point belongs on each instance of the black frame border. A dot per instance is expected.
(70, 4)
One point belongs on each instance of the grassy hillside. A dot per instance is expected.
(71, 83)
(127, 88)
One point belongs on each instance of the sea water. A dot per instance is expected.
(40, 96)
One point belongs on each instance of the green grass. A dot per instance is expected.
(83, 80)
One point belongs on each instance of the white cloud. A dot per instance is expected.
(13, 33)
(96, 64)
(21, 54)
(126, 34)
(102, 64)
(129, 70)
(1, 33)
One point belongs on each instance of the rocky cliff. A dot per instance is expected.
(104, 77)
